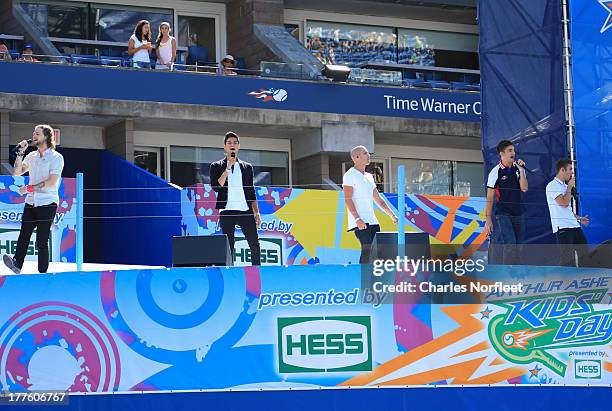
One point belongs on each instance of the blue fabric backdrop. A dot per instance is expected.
(522, 95)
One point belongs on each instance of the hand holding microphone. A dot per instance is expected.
(232, 160)
(22, 145)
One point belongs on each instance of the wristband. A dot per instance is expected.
(29, 188)
(358, 219)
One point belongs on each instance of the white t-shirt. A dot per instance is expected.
(236, 200)
(560, 217)
(140, 55)
(39, 170)
(363, 196)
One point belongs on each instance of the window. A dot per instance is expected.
(112, 23)
(440, 177)
(198, 32)
(191, 165)
(350, 44)
(69, 20)
(443, 49)
(92, 21)
(468, 179)
(425, 176)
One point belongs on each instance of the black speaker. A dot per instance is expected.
(201, 251)
(385, 245)
(336, 72)
(601, 256)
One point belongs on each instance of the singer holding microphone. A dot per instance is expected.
(505, 184)
(232, 180)
(566, 224)
(44, 166)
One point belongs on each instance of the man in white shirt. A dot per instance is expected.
(44, 166)
(232, 180)
(565, 224)
(360, 193)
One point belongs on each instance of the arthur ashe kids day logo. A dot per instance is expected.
(324, 344)
(531, 327)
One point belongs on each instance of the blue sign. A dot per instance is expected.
(591, 36)
(243, 92)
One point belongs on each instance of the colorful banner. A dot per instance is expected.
(295, 327)
(63, 230)
(310, 226)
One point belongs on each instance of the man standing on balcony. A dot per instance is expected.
(232, 180)
(45, 167)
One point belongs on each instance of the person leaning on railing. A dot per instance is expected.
(4, 53)
(140, 45)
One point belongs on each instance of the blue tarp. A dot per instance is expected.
(522, 95)
(591, 36)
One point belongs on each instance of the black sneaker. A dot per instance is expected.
(10, 263)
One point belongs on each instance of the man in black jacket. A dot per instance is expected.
(232, 180)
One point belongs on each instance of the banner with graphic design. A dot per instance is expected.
(295, 327)
(63, 231)
(302, 226)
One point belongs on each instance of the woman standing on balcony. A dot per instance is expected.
(165, 48)
(140, 45)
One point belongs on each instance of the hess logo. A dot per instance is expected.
(590, 369)
(324, 344)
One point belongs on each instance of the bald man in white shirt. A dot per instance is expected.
(360, 194)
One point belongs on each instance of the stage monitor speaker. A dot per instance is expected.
(601, 256)
(201, 251)
(385, 246)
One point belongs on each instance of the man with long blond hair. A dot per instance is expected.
(44, 166)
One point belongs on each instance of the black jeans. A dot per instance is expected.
(39, 218)
(366, 237)
(571, 240)
(246, 220)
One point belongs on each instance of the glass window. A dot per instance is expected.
(436, 48)
(425, 176)
(468, 179)
(198, 32)
(69, 20)
(349, 44)
(118, 23)
(92, 21)
(191, 165)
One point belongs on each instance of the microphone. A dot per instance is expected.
(525, 167)
(233, 155)
(29, 141)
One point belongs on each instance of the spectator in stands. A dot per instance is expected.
(226, 67)
(28, 54)
(165, 48)
(4, 53)
(140, 45)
